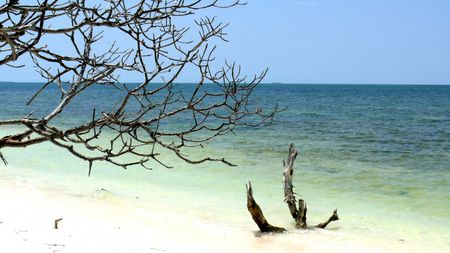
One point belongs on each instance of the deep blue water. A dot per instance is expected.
(386, 124)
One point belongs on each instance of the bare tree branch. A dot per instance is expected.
(139, 124)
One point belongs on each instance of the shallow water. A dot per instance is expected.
(379, 154)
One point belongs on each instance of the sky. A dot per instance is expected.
(331, 41)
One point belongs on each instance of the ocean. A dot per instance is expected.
(380, 154)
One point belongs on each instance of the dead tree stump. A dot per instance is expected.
(299, 214)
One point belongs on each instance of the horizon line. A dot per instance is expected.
(288, 83)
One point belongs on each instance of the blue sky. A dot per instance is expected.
(344, 41)
(332, 41)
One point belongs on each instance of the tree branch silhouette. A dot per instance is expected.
(141, 116)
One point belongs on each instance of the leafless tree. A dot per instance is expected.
(135, 127)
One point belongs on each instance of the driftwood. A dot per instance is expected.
(297, 212)
(333, 217)
(258, 215)
(56, 223)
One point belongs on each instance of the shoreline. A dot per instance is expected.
(100, 225)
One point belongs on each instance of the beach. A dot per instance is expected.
(224, 126)
(383, 166)
(95, 225)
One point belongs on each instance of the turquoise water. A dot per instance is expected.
(380, 154)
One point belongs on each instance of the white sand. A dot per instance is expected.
(27, 215)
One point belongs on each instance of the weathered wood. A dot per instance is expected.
(258, 215)
(333, 217)
(299, 214)
(3, 159)
(56, 223)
